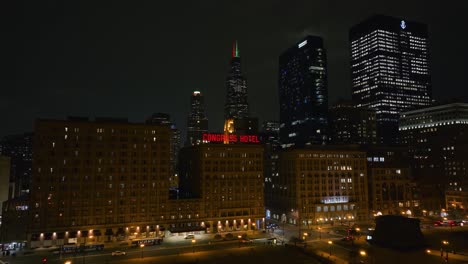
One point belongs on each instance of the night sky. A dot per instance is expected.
(130, 59)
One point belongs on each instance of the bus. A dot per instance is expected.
(70, 248)
(93, 247)
(146, 242)
(74, 248)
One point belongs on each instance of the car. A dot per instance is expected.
(347, 238)
(118, 253)
(189, 236)
(247, 241)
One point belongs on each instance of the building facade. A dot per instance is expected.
(437, 138)
(95, 179)
(228, 180)
(392, 189)
(19, 149)
(352, 125)
(270, 138)
(197, 122)
(322, 185)
(303, 94)
(165, 120)
(390, 70)
(108, 180)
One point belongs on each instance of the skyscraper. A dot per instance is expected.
(197, 122)
(236, 106)
(303, 94)
(390, 70)
(237, 119)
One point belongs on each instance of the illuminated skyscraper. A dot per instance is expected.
(197, 122)
(236, 106)
(303, 94)
(236, 109)
(390, 70)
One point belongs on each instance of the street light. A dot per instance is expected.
(320, 232)
(330, 243)
(239, 237)
(445, 245)
(193, 245)
(358, 233)
(305, 236)
(142, 246)
(362, 253)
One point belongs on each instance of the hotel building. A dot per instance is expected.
(95, 179)
(228, 180)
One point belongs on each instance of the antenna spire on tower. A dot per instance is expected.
(235, 49)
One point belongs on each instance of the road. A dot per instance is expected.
(216, 252)
(325, 242)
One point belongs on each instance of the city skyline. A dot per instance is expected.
(72, 61)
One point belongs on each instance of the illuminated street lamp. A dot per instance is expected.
(141, 247)
(362, 253)
(320, 232)
(330, 243)
(239, 237)
(445, 244)
(193, 245)
(304, 237)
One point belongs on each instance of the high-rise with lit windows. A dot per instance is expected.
(390, 70)
(303, 94)
(197, 122)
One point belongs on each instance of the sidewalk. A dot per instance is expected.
(462, 256)
(332, 258)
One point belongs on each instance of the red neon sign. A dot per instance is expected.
(231, 138)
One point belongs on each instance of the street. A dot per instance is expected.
(323, 241)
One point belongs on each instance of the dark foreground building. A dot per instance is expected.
(399, 232)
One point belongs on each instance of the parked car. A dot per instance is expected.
(190, 237)
(118, 253)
